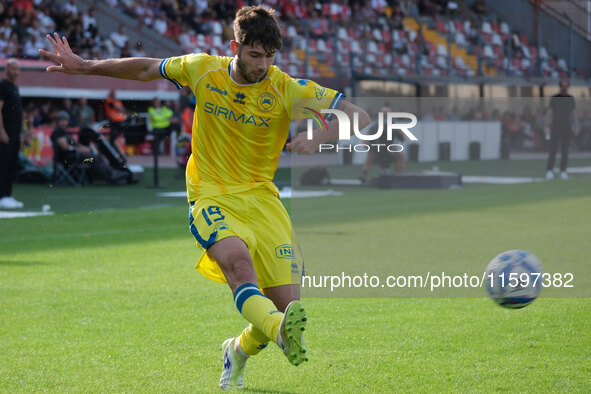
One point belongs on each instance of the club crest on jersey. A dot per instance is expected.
(319, 92)
(285, 251)
(266, 102)
(240, 98)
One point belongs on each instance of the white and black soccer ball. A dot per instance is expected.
(514, 278)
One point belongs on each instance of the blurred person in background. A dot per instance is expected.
(117, 114)
(160, 118)
(67, 151)
(86, 113)
(11, 124)
(560, 117)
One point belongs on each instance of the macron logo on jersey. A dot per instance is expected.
(228, 114)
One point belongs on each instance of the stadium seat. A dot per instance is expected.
(562, 65)
(505, 28)
(343, 46)
(498, 51)
(543, 53)
(496, 39)
(377, 34)
(216, 41)
(467, 27)
(488, 52)
(216, 27)
(461, 39)
(534, 52)
(405, 60)
(372, 47)
(291, 31)
(495, 26)
(459, 63)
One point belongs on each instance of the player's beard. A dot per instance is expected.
(243, 70)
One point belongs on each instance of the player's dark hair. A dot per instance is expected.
(258, 24)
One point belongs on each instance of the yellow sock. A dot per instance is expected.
(252, 340)
(258, 310)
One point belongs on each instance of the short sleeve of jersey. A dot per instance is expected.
(305, 93)
(185, 70)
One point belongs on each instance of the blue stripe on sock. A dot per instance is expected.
(244, 292)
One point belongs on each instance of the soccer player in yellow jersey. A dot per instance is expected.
(240, 126)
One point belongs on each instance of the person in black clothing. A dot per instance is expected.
(11, 124)
(559, 122)
(67, 151)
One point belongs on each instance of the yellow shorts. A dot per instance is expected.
(261, 221)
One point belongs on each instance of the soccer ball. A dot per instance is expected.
(513, 279)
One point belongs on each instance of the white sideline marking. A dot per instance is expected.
(346, 182)
(16, 214)
(579, 170)
(499, 180)
(173, 194)
(287, 192)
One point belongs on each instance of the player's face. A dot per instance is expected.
(253, 62)
(563, 87)
(62, 123)
(12, 71)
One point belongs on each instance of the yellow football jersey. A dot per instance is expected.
(238, 129)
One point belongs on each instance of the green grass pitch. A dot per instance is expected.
(103, 297)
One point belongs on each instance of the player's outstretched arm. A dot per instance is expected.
(302, 145)
(140, 68)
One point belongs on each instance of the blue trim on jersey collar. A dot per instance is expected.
(245, 84)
